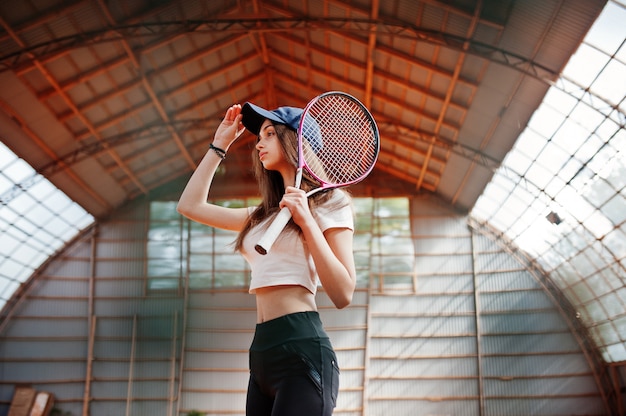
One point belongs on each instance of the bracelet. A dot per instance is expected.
(220, 152)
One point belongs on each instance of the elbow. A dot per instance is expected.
(182, 209)
(342, 297)
(343, 301)
(342, 305)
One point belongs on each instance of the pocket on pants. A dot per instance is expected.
(334, 379)
(308, 357)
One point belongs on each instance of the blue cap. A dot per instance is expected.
(254, 117)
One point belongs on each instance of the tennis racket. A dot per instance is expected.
(338, 144)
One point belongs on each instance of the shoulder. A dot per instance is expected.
(338, 198)
(336, 211)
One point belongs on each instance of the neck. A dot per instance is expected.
(289, 176)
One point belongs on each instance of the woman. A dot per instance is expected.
(293, 368)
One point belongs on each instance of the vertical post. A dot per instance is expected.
(479, 365)
(368, 319)
(366, 354)
(173, 365)
(87, 393)
(91, 324)
(413, 237)
(376, 234)
(131, 366)
(183, 335)
(614, 374)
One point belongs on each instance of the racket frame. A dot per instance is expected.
(282, 218)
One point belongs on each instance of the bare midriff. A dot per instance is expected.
(275, 301)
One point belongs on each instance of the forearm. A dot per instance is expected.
(196, 192)
(193, 201)
(334, 261)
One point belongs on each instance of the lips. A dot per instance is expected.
(262, 155)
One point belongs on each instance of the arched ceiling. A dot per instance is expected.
(112, 99)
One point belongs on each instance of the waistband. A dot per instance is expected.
(291, 327)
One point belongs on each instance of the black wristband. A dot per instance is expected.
(220, 152)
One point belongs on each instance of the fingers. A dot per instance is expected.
(234, 116)
(293, 189)
(233, 112)
(240, 127)
(231, 126)
(296, 201)
(295, 194)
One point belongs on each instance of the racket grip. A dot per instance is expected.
(271, 234)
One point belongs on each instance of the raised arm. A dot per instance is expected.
(193, 201)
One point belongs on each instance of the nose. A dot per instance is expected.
(259, 144)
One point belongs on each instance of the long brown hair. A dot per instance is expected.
(272, 187)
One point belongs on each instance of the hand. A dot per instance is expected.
(296, 201)
(230, 128)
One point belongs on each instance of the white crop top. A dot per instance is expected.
(289, 261)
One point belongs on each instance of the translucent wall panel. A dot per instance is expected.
(36, 219)
(470, 331)
(561, 192)
(475, 334)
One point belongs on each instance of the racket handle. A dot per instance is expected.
(271, 234)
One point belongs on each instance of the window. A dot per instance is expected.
(180, 249)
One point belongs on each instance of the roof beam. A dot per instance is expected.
(319, 72)
(26, 55)
(121, 60)
(146, 104)
(58, 164)
(72, 106)
(56, 11)
(148, 89)
(452, 85)
(371, 47)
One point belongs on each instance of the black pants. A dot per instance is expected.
(293, 368)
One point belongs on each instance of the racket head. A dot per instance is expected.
(338, 140)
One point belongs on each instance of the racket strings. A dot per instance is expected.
(340, 143)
